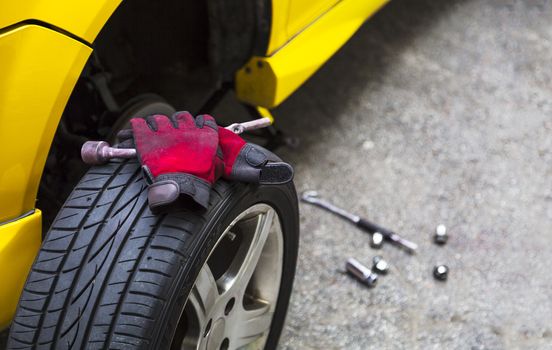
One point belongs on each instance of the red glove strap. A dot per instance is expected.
(231, 145)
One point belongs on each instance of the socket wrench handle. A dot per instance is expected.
(100, 152)
(313, 197)
(239, 128)
(388, 234)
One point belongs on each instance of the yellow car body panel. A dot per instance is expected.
(278, 28)
(267, 81)
(82, 18)
(39, 68)
(289, 17)
(304, 12)
(19, 242)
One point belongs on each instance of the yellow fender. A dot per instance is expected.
(39, 68)
(19, 242)
(82, 18)
(44, 45)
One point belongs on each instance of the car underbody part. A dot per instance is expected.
(440, 272)
(313, 198)
(100, 152)
(140, 106)
(361, 272)
(441, 235)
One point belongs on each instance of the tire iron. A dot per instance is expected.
(313, 198)
(100, 152)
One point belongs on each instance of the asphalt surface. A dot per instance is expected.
(435, 112)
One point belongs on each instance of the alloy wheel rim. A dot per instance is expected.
(234, 296)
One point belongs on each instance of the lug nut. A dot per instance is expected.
(377, 240)
(361, 272)
(440, 272)
(441, 235)
(379, 265)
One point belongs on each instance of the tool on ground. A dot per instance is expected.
(100, 152)
(441, 235)
(376, 240)
(361, 272)
(380, 265)
(312, 197)
(440, 272)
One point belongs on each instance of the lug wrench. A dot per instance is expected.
(312, 197)
(100, 152)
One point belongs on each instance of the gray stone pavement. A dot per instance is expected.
(435, 112)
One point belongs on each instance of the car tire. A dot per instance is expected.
(112, 275)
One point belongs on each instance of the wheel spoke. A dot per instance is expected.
(255, 249)
(204, 294)
(254, 324)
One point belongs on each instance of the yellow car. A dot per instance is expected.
(84, 263)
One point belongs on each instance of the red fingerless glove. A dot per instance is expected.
(247, 162)
(178, 156)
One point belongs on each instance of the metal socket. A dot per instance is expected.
(376, 241)
(379, 265)
(361, 272)
(441, 235)
(100, 152)
(440, 272)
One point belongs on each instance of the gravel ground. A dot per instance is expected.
(435, 112)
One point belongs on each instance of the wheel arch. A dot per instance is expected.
(235, 31)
